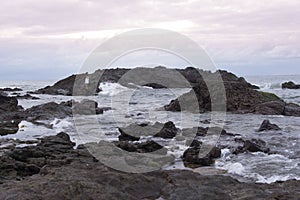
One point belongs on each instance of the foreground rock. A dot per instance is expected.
(134, 131)
(240, 98)
(290, 85)
(54, 170)
(267, 126)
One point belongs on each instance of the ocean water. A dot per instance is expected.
(143, 105)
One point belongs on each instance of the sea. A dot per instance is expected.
(143, 104)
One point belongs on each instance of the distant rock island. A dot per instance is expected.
(290, 85)
(241, 96)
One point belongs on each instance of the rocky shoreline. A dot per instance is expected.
(53, 169)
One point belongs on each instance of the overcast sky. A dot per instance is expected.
(50, 39)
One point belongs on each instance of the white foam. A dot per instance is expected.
(112, 88)
(236, 168)
(61, 125)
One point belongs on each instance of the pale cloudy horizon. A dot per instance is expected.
(51, 39)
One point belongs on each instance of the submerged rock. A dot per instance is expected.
(267, 125)
(290, 85)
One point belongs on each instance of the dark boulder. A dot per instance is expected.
(134, 131)
(290, 85)
(252, 145)
(48, 111)
(8, 104)
(168, 131)
(10, 115)
(142, 147)
(87, 107)
(191, 155)
(267, 125)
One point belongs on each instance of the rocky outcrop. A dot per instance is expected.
(26, 161)
(133, 132)
(157, 78)
(240, 98)
(290, 85)
(54, 170)
(267, 126)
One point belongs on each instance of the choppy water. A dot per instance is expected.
(142, 106)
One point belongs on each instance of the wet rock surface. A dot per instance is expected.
(54, 170)
(142, 147)
(133, 132)
(251, 145)
(9, 115)
(192, 156)
(267, 126)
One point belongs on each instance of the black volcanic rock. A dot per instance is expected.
(290, 85)
(10, 89)
(61, 172)
(191, 155)
(10, 115)
(158, 77)
(133, 132)
(48, 111)
(252, 145)
(8, 104)
(142, 147)
(267, 125)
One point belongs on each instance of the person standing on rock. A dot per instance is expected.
(87, 80)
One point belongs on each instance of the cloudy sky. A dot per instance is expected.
(50, 39)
